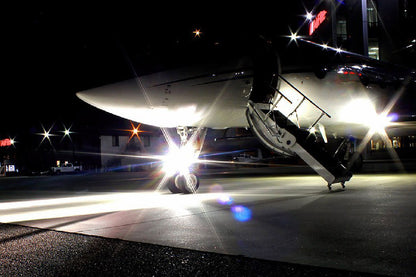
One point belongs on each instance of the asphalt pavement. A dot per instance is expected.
(119, 223)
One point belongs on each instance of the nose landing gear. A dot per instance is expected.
(184, 183)
(183, 178)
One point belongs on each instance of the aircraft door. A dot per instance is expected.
(266, 68)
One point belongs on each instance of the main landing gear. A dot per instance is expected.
(180, 161)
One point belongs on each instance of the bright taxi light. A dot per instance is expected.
(179, 159)
(362, 111)
(380, 122)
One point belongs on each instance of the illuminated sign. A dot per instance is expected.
(5, 142)
(317, 21)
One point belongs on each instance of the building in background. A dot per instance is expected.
(380, 29)
(8, 157)
(120, 151)
(377, 28)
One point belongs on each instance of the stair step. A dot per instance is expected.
(281, 135)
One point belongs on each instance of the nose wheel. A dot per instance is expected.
(179, 165)
(187, 183)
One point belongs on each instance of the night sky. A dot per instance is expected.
(49, 52)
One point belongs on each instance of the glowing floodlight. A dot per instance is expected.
(379, 123)
(179, 160)
(365, 114)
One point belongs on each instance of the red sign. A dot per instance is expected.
(5, 142)
(317, 21)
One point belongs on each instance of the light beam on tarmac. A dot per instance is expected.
(33, 210)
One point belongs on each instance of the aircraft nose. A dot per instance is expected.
(120, 95)
(94, 97)
(132, 101)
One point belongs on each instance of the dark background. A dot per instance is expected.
(51, 51)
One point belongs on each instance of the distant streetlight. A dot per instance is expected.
(46, 135)
(293, 36)
(135, 131)
(309, 16)
(197, 32)
(67, 132)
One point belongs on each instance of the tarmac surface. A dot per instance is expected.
(119, 224)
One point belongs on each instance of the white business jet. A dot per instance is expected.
(281, 109)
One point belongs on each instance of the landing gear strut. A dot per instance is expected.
(183, 179)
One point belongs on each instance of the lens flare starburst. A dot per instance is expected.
(135, 131)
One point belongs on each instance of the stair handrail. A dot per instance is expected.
(303, 95)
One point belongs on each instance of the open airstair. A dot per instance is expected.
(277, 132)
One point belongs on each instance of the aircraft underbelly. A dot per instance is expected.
(205, 106)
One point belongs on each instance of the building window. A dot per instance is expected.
(397, 142)
(412, 141)
(373, 49)
(372, 15)
(115, 141)
(146, 141)
(379, 144)
(341, 30)
(376, 145)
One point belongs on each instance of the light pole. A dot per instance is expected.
(365, 26)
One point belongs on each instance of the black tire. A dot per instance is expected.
(180, 182)
(172, 186)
